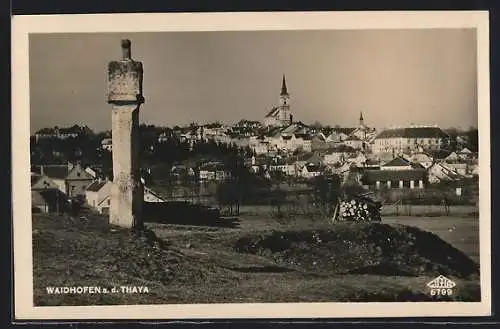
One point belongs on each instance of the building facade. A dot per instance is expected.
(410, 139)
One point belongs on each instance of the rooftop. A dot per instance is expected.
(273, 112)
(397, 162)
(55, 171)
(385, 175)
(413, 132)
(96, 186)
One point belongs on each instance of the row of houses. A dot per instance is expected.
(456, 166)
(52, 187)
(300, 137)
(63, 132)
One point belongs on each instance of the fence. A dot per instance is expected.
(301, 202)
(429, 210)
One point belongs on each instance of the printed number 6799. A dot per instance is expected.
(441, 292)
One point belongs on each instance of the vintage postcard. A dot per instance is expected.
(251, 165)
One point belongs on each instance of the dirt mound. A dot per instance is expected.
(76, 250)
(362, 248)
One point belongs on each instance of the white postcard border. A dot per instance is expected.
(22, 26)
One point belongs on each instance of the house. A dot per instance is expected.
(384, 157)
(285, 165)
(308, 158)
(213, 171)
(260, 148)
(38, 203)
(104, 205)
(63, 133)
(474, 170)
(404, 178)
(459, 167)
(283, 142)
(77, 181)
(96, 192)
(49, 200)
(410, 138)
(463, 155)
(151, 196)
(310, 170)
(164, 137)
(423, 158)
(334, 157)
(318, 142)
(261, 164)
(278, 164)
(42, 182)
(466, 154)
(339, 134)
(354, 142)
(372, 164)
(303, 142)
(57, 174)
(453, 156)
(291, 168)
(222, 137)
(94, 171)
(182, 171)
(98, 196)
(440, 172)
(397, 164)
(364, 133)
(359, 160)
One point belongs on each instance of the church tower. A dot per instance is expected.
(284, 113)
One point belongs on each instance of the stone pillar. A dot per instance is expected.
(412, 184)
(400, 184)
(388, 184)
(125, 95)
(421, 184)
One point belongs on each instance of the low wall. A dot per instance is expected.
(181, 212)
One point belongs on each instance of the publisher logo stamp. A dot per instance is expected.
(441, 286)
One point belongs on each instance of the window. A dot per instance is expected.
(109, 202)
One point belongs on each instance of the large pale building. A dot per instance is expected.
(410, 139)
(280, 116)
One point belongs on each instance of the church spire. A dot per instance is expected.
(361, 121)
(283, 86)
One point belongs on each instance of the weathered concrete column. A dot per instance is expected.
(125, 94)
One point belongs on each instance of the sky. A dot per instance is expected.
(395, 77)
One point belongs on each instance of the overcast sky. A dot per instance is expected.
(395, 77)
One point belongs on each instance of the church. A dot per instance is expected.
(280, 116)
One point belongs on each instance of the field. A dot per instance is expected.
(199, 264)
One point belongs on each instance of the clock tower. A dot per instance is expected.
(284, 108)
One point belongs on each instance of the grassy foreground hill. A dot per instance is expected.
(202, 264)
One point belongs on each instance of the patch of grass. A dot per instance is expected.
(196, 264)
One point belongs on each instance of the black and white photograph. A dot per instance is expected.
(251, 165)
